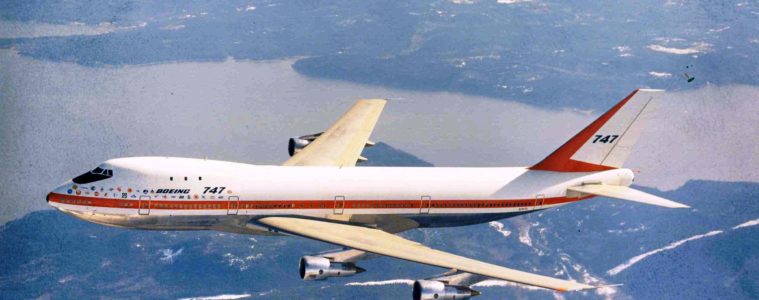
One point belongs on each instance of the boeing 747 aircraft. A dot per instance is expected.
(319, 194)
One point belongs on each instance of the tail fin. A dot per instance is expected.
(605, 143)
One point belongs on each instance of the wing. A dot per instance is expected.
(380, 242)
(625, 193)
(341, 144)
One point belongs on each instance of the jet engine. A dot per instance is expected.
(436, 290)
(296, 144)
(319, 268)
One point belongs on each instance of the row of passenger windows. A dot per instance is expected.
(268, 206)
(188, 206)
(77, 201)
(383, 205)
(478, 205)
(310, 205)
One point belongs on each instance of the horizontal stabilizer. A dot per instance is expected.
(625, 193)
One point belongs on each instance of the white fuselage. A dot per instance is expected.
(181, 193)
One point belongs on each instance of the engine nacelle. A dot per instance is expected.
(319, 268)
(296, 144)
(436, 290)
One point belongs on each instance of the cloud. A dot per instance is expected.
(660, 74)
(512, 1)
(747, 224)
(632, 261)
(699, 47)
(624, 51)
(384, 282)
(502, 283)
(13, 29)
(220, 297)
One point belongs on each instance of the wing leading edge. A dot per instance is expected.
(383, 243)
(342, 143)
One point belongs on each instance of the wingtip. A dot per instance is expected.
(595, 287)
(376, 100)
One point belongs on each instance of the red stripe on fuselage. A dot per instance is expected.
(162, 204)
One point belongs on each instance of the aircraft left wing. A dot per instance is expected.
(342, 143)
(383, 243)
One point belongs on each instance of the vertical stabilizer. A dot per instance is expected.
(607, 142)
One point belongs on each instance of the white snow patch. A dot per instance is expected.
(243, 263)
(660, 74)
(719, 29)
(498, 226)
(384, 282)
(219, 297)
(747, 224)
(606, 291)
(524, 236)
(695, 48)
(65, 279)
(616, 270)
(169, 255)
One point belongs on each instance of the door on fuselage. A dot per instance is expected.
(539, 199)
(144, 205)
(233, 204)
(424, 207)
(339, 205)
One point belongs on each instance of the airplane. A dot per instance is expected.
(319, 193)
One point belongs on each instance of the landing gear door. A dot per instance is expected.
(424, 208)
(339, 205)
(144, 205)
(233, 204)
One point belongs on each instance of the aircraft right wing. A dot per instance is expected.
(342, 143)
(384, 243)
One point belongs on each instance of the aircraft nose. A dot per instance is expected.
(47, 198)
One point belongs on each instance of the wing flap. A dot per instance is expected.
(342, 143)
(383, 243)
(625, 193)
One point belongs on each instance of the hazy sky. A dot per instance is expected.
(61, 119)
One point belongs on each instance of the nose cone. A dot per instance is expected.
(55, 196)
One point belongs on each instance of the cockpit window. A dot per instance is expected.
(95, 175)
